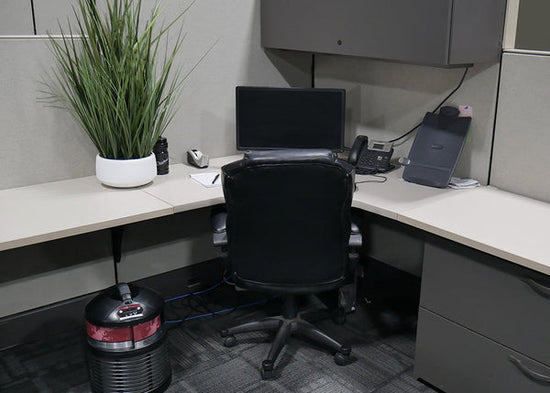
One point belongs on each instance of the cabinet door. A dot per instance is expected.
(413, 31)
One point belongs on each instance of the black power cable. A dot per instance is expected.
(437, 107)
(313, 70)
(34, 20)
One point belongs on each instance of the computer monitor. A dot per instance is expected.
(290, 118)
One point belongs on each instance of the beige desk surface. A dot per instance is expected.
(499, 223)
(494, 221)
(183, 193)
(54, 210)
(394, 196)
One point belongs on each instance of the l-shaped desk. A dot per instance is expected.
(499, 223)
(482, 306)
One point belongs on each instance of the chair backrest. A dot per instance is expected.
(288, 219)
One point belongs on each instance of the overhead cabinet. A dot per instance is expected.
(431, 32)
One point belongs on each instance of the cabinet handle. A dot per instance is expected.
(533, 375)
(538, 288)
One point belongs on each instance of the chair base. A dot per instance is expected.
(286, 325)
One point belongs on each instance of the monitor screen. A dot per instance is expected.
(290, 118)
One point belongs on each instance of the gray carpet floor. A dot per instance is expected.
(381, 363)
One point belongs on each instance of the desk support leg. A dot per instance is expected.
(116, 243)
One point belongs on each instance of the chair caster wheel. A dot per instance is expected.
(267, 369)
(267, 374)
(342, 357)
(229, 341)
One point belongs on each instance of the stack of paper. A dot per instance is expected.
(207, 179)
(457, 182)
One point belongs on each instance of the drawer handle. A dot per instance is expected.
(538, 288)
(533, 375)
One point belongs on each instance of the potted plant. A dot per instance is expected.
(112, 77)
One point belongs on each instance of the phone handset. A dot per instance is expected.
(359, 144)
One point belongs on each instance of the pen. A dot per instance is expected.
(216, 178)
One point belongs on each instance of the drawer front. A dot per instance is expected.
(458, 360)
(500, 300)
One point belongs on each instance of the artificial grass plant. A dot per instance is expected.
(114, 79)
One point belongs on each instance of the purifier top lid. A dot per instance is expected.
(124, 305)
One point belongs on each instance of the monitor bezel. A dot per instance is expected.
(342, 92)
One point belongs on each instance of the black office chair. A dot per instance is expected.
(287, 230)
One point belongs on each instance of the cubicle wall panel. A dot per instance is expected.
(224, 37)
(45, 273)
(493, 297)
(16, 18)
(167, 243)
(457, 360)
(520, 157)
(40, 142)
(393, 243)
(385, 99)
(221, 50)
(53, 15)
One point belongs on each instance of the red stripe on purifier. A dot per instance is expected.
(130, 333)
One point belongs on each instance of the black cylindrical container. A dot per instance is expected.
(161, 153)
(126, 341)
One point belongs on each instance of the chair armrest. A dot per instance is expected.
(355, 238)
(218, 222)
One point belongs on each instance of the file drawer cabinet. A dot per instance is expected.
(507, 304)
(457, 360)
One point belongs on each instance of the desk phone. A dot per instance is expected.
(370, 157)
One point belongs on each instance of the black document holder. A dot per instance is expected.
(436, 150)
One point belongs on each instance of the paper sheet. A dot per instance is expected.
(207, 179)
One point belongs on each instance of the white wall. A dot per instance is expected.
(41, 143)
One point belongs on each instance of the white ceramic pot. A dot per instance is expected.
(126, 173)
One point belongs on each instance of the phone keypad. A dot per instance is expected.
(371, 162)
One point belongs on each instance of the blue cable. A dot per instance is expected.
(198, 292)
(222, 311)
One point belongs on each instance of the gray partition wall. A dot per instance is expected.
(16, 18)
(521, 155)
(386, 99)
(41, 143)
